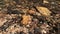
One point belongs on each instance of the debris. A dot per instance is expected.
(29, 16)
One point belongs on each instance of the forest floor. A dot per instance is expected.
(29, 16)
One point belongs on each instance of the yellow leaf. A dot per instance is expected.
(44, 11)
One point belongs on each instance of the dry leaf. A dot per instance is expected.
(26, 19)
(44, 11)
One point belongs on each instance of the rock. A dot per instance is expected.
(31, 12)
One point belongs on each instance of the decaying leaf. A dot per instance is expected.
(26, 19)
(44, 11)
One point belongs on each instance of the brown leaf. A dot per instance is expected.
(26, 19)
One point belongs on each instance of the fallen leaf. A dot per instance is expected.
(26, 19)
(44, 11)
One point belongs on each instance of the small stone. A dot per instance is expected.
(45, 1)
(28, 26)
(43, 31)
(31, 12)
